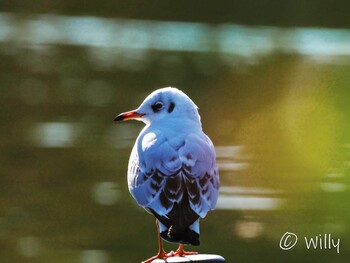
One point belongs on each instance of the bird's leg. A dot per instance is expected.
(161, 253)
(180, 252)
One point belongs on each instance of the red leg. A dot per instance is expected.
(161, 253)
(180, 252)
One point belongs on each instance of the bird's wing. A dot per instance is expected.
(162, 171)
(201, 173)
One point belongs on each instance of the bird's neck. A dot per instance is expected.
(177, 124)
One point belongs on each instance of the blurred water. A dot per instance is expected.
(36, 31)
(273, 100)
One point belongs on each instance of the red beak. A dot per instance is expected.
(129, 115)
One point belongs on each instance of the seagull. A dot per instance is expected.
(172, 170)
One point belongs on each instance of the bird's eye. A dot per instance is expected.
(157, 106)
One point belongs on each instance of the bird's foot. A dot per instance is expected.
(180, 252)
(161, 255)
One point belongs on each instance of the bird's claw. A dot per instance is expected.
(180, 252)
(164, 255)
(160, 255)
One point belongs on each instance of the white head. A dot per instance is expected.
(162, 104)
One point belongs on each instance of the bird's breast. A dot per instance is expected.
(148, 140)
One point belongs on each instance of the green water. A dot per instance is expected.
(279, 119)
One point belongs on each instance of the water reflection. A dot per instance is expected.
(56, 134)
(323, 45)
(242, 198)
(248, 228)
(106, 193)
(334, 187)
(94, 256)
(29, 247)
(231, 158)
(247, 203)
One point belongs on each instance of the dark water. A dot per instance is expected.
(274, 101)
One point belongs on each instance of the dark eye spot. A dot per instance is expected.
(157, 106)
(171, 107)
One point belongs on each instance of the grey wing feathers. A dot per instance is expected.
(162, 173)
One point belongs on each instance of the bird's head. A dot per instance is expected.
(166, 103)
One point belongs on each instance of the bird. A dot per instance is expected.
(172, 171)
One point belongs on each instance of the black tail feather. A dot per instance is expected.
(178, 221)
(183, 236)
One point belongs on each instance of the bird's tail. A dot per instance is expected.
(181, 235)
